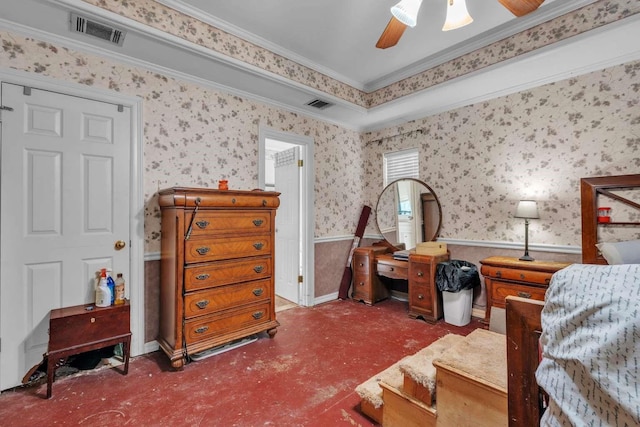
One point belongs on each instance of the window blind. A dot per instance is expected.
(400, 164)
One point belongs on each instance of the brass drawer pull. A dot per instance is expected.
(524, 294)
(258, 315)
(258, 268)
(203, 250)
(203, 276)
(202, 330)
(202, 304)
(257, 222)
(258, 245)
(202, 224)
(361, 284)
(547, 280)
(420, 274)
(258, 291)
(391, 269)
(420, 296)
(264, 202)
(498, 274)
(361, 264)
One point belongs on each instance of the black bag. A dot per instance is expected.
(456, 275)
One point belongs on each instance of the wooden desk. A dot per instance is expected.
(74, 330)
(425, 300)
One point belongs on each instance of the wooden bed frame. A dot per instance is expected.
(525, 397)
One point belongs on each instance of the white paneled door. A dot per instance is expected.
(288, 259)
(65, 181)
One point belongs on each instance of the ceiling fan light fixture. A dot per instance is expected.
(457, 15)
(407, 12)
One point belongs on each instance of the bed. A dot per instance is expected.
(583, 297)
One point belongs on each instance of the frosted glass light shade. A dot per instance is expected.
(457, 15)
(527, 209)
(407, 12)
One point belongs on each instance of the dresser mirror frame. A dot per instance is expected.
(417, 194)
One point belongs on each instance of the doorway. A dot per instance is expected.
(66, 151)
(296, 210)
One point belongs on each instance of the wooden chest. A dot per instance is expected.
(81, 328)
(504, 276)
(217, 264)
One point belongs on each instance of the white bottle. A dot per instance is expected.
(103, 293)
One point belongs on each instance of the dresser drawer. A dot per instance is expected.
(361, 287)
(202, 328)
(516, 275)
(224, 297)
(226, 272)
(214, 249)
(500, 290)
(229, 222)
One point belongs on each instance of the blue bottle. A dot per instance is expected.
(112, 286)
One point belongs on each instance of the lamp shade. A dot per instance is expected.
(527, 209)
(457, 15)
(407, 12)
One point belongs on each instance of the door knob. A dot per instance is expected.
(120, 244)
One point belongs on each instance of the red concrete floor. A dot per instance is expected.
(305, 376)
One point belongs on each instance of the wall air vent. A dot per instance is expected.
(103, 31)
(319, 104)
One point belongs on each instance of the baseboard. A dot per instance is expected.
(150, 347)
(325, 298)
(477, 312)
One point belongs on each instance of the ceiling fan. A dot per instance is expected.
(405, 14)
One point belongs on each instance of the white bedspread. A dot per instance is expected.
(591, 346)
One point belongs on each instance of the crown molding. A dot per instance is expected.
(207, 18)
(543, 14)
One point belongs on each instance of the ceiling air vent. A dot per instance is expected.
(103, 31)
(319, 104)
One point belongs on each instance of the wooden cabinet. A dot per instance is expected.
(367, 286)
(217, 263)
(504, 276)
(425, 300)
(81, 328)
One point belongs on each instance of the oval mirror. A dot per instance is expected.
(408, 212)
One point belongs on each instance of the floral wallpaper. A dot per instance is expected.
(194, 136)
(480, 160)
(168, 20)
(537, 144)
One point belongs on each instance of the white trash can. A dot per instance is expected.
(457, 307)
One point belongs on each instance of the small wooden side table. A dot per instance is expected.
(74, 330)
(505, 276)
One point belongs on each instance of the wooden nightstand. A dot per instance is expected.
(505, 276)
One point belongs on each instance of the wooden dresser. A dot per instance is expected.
(505, 276)
(217, 268)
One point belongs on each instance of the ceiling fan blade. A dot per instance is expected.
(391, 34)
(521, 7)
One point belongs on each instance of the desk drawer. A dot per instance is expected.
(227, 272)
(202, 250)
(392, 271)
(516, 275)
(421, 298)
(225, 297)
(202, 328)
(361, 263)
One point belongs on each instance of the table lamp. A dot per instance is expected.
(527, 209)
